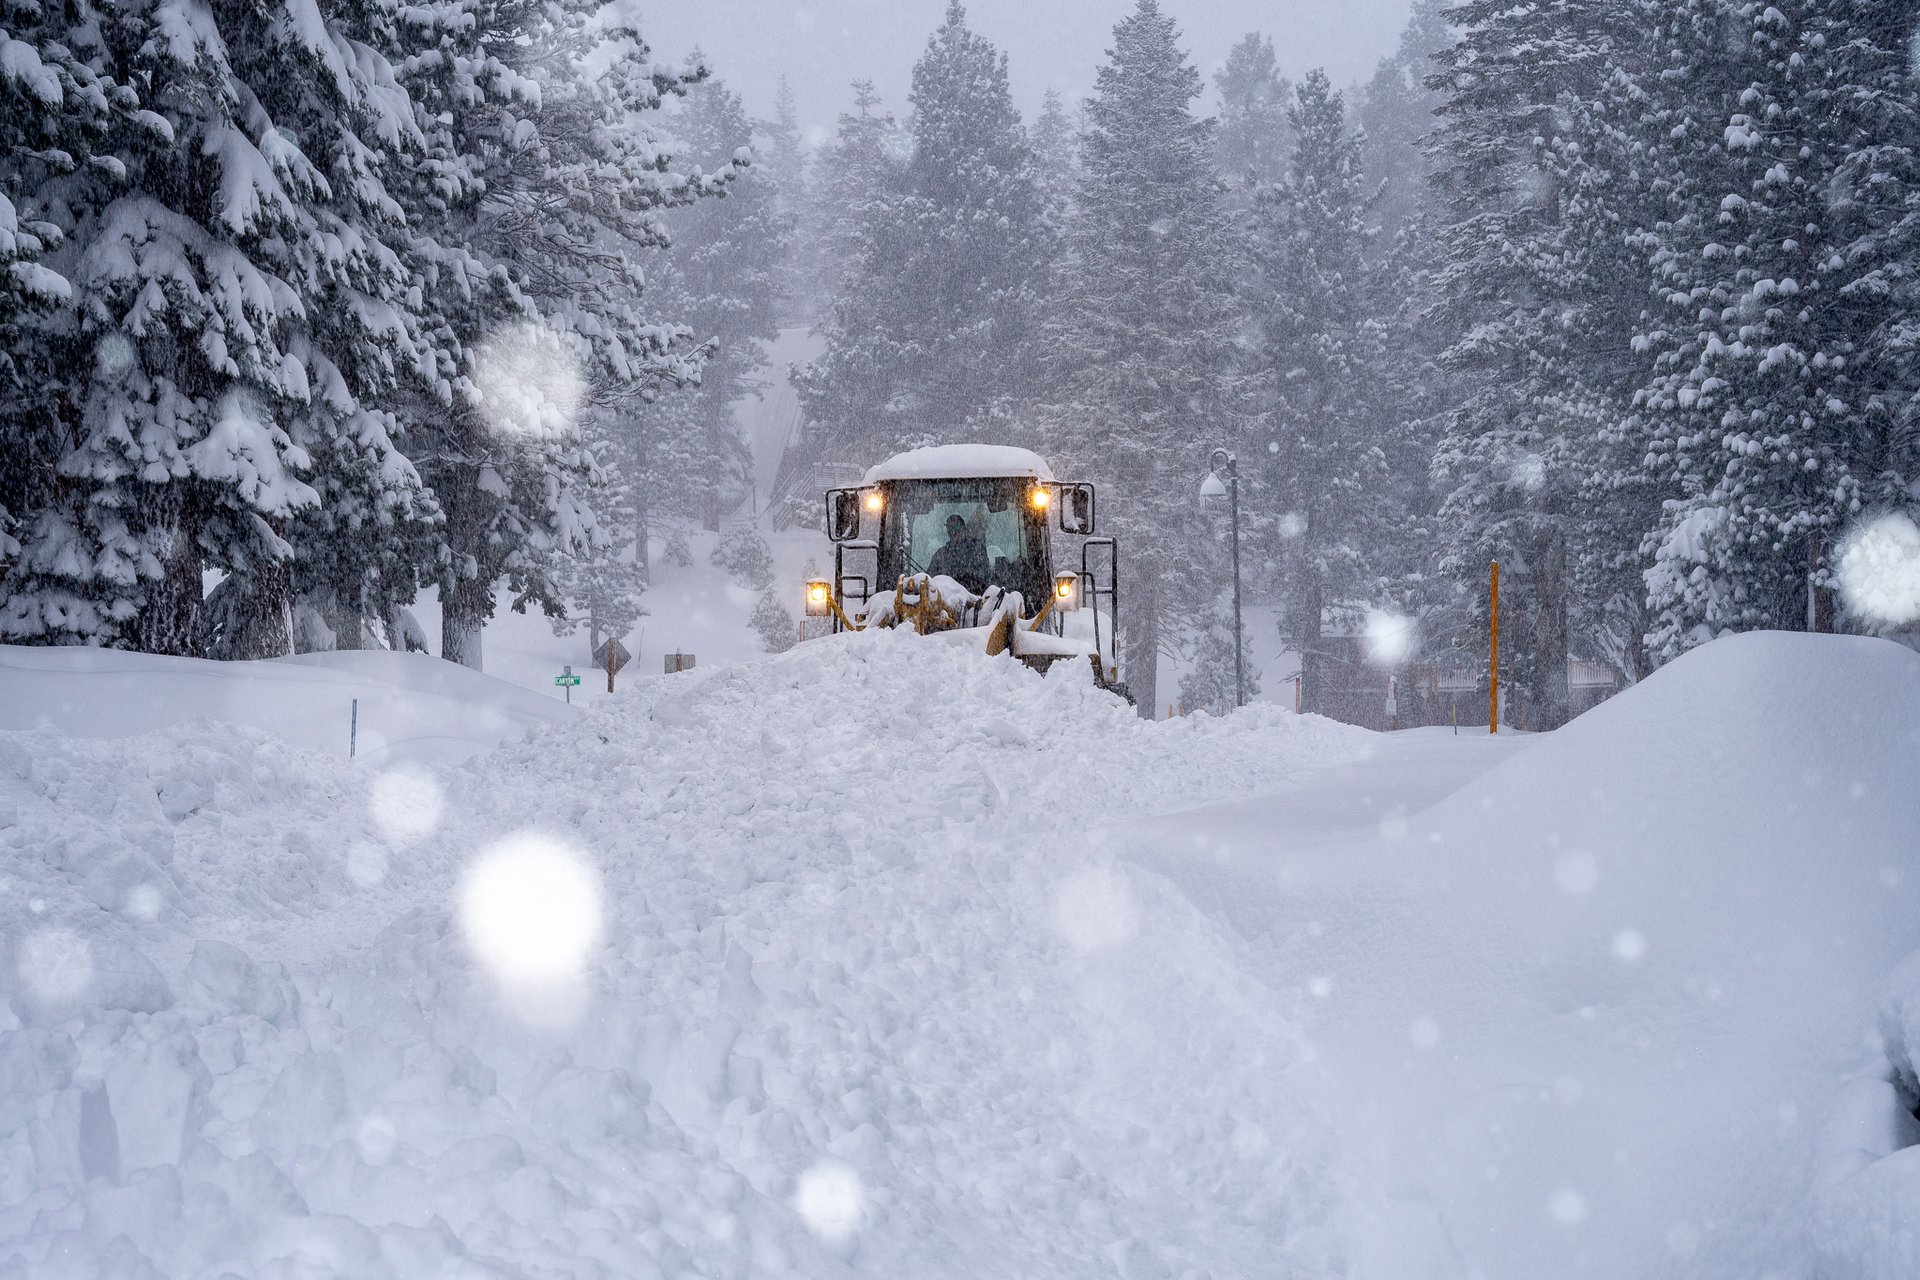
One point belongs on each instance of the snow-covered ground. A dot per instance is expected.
(410, 707)
(883, 957)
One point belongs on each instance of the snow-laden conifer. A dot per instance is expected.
(1142, 372)
(1528, 250)
(932, 330)
(1255, 135)
(230, 310)
(1779, 382)
(1327, 499)
(545, 182)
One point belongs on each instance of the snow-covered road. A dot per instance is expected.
(883, 958)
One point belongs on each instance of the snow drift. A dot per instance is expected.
(1590, 1015)
(812, 966)
(412, 707)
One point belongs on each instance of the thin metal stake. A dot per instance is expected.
(353, 732)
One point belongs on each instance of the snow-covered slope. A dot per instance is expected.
(1590, 1015)
(411, 707)
(814, 965)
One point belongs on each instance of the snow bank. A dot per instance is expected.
(813, 966)
(1589, 1016)
(411, 707)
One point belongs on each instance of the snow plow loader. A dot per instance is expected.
(961, 538)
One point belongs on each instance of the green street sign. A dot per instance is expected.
(567, 680)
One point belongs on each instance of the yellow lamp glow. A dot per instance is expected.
(1041, 498)
(819, 598)
(876, 502)
(1066, 591)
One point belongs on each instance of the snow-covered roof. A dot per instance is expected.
(962, 462)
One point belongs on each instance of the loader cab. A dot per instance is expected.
(980, 532)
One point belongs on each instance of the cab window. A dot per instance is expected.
(929, 515)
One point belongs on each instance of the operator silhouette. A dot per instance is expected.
(963, 558)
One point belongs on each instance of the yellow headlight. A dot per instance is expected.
(876, 503)
(1065, 588)
(819, 597)
(1041, 498)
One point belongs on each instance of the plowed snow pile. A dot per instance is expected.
(1596, 1014)
(813, 966)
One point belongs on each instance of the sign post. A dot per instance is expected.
(567, 680)
(610, 656)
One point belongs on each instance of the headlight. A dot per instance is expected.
(1066, 591)
(819, 598)
(876, 502)
(1041, 498)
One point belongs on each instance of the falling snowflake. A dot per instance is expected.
(830, 1199)
(531, 912)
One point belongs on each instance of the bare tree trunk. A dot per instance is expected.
(642, 551)
(1551, 695)
(1313, 677)
(1820, 612)
(466, 603)
(1140, 636)
(345, 618)
(463, 619)
(269, 613)
(170, 621)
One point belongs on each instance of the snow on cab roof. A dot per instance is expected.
(961, 462)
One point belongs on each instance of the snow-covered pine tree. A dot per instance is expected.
(681, 457)
(724, 280)
(1511, 285)
(1254, 134)
(1331, 514)
(1396, 113)
(365, 545)
(1056, 154)
(1208, 682)
(847, 176)
(778, 629)
(1776, 397)
(1141, 377)
(53, 112)
(541, 189)
(233, 202)
(782, 165)
(1613, 185)
(932, 332)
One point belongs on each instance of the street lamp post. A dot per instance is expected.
(1211, 491)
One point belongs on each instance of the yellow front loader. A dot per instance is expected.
(962, 537)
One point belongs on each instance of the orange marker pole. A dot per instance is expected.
(1493, 668)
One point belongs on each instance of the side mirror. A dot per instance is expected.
(843, 515)
(1076, 509)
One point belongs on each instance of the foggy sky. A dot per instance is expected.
(821, 46)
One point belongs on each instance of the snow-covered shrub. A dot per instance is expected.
(779, 630)
(743, 553)
(675, 549)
